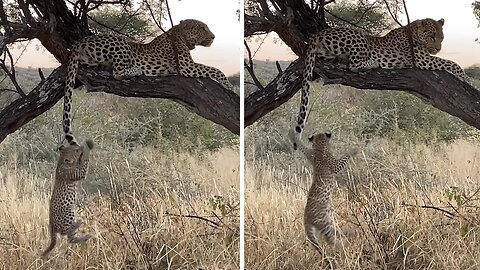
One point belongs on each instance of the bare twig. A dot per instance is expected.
(169, 14)
(225, 225)
(133, 14)
(279, 68)
(40, 73)
(210, 222)
(11, 73)
(445, 212)
(345, 21)
(249, 67)
(8, 90)
(159, 25)
(469, 198)
(394, 17)
(367, 9)
(106, 26)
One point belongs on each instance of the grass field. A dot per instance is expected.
(148, 203)
(371, 201)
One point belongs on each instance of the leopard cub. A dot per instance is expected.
(71, 168)
(318, 215)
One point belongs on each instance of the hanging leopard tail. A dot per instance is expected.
(306, 83)
(72, 69)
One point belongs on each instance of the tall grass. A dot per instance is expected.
(379, 198)
(148, 202)
(409, 200)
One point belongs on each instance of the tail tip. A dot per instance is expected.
(89, 144)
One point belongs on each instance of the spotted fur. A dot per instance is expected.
(366, 52)
(167, 54)
(71, 168)
(318, 215)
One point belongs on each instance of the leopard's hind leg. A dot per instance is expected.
(72, 233)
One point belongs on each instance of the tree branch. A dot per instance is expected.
(202, 96)
(294, 31)
(250, 68)
(438, 88)
(11, 73)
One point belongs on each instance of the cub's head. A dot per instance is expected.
(72, 156)
(321, 140)
(429, 33)
(195, 32)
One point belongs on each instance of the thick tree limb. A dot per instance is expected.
(202, 96)
(57, 28)
(39, 100)
(294, 21)
(438, 88)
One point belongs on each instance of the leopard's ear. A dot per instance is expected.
(441, 21)
(329, 135)
(310, 138)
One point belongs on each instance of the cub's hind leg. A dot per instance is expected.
(311, 232)
(72, 233)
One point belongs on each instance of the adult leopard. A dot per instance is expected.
(167, 54)
(366, 52)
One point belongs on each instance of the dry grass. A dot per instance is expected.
(134, 204)
(370, 202)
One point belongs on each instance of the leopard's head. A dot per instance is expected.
(195, 32)
(428, 33)
(320, 140)
(73, 156)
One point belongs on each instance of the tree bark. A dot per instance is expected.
(294, 22)
(202, 96)
(57, 28)
(438, 88)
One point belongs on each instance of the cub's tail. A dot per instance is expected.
(53, 242)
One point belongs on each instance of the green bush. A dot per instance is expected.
(404, 117)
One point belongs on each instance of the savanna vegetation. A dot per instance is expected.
(408, 200)
(162, 191)
(411, 196)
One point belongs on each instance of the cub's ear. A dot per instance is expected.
(60, 148)
(329, 135)
(441, 21)
(310, 138)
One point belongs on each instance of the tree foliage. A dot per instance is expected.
(476, 11)
(369, 17)
(116, 20)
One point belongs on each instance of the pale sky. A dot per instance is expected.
(220, 16)
(460, 30)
